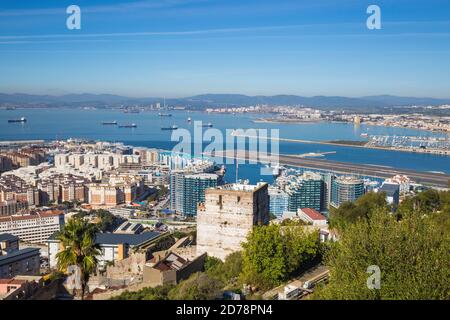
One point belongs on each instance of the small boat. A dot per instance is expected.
(23, 119)
(165, 114)
(133, 125)
(174, 127)
(189, 119)
(208, 125)
(109, 122)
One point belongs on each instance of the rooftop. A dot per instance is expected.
(202, 176)
(171, 262)
(313, 214)
(349, 180)
(43, 214)
(241, 187)
(130, 239)
(8, 237)
(19, 255)
(389, 188)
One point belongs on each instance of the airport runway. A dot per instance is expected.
(426, 178)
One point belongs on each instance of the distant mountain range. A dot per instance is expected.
(219, 100)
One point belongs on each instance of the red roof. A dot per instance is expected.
(313, 214)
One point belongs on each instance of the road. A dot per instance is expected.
(298, 282)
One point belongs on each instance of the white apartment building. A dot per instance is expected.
(103, 161)
(33, 228)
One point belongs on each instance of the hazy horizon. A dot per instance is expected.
(216, 93)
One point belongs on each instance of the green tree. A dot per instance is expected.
(157, 293)
(79, 249)
(212, 264)
(273, 253)
(108, 222)
(199, 286)
(300, 248)
(228, 271)
(412, 255)
(428, 201)
(350, 212)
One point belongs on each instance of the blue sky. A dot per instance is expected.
(179, 48)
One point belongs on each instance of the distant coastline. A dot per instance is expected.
(357, 144)
(286, 121)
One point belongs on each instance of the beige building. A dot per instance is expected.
(227, 216)
(105, 194)
(171, 269)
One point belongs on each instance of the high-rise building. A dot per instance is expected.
(327, 181)
(346, 188)
(392, 192)
(278, 201)
(194, 190)
(305, 191)
(177, 191)
(228, 215)
(403, 182)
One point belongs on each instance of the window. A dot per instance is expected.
(220, 201)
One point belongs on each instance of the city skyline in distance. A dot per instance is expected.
(184, 48)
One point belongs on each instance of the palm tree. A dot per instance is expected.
(78, 249)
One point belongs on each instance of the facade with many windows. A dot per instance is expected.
(15, 261)
(278, 201)
(194, 191)
(305, 191)
(346, 188)
(33, 228)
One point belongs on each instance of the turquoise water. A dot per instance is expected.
(49, 124)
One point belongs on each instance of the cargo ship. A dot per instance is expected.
(133, 125)
(109, 122)
(23, 119)
(174, 127)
